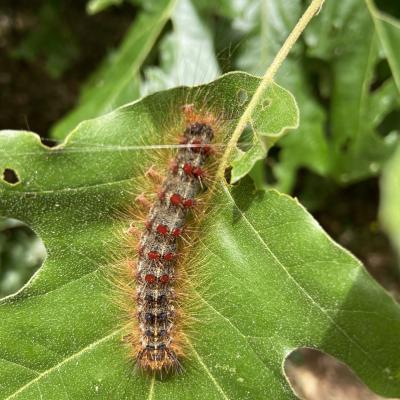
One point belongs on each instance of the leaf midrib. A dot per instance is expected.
(208, 372)
(68, 189)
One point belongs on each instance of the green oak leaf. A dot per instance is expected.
(274, 280)
(284, 116)
(245, 160)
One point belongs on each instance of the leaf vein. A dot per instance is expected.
(201, 362)
(302, 289)
(65, 361)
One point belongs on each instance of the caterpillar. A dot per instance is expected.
(158, 338)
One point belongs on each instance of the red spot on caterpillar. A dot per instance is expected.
(197, 145)
(153, 255)
(207, 149)
(162, 229)
(188, 203)
(197, 172)
(187, 168)
(157, 339)
(169, 256)
(175, 199)
(164, 278)
(150, 278)
(177, 232)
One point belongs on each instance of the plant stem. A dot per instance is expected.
(268, 77)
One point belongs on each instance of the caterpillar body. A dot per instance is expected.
(158, 346)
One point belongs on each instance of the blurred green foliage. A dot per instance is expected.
(51, 40)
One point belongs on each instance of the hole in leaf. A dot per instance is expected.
(48, 142)
(265, 104)
(10, 176)
(21, 254)
(316, 375)
(390, 124)
(382, 72)
(227, 175)
(242, 96)
(270, 162)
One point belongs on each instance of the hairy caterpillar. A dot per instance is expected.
(158, 334)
